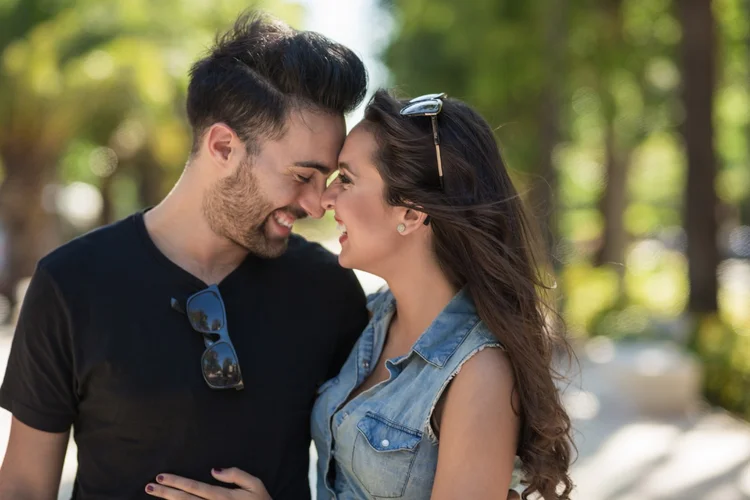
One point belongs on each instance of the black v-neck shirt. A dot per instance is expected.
(98, 347)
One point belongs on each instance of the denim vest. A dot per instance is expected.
(381, 444)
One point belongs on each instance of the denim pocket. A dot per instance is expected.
(383, 455)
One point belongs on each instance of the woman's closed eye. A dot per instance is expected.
(343, 178)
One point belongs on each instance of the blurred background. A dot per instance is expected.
(625, 124)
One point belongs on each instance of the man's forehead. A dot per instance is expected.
(310, 140)
(316, 121)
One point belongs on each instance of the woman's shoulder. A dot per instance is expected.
(485, 336)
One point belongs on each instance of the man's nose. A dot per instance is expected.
(311, 203)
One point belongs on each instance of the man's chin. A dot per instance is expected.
(276, 249)
(267, 246)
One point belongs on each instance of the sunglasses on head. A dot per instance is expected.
(428, 105)
(207, 315)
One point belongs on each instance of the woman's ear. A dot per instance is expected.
(411, 220)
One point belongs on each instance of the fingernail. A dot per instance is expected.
(218, 470)
(149, 488)
(160, 478)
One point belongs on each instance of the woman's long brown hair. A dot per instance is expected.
(485, 242)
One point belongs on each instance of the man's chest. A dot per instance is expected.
(143, 372)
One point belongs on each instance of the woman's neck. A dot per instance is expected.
(421, 291)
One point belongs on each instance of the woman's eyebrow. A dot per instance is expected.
(347, 167)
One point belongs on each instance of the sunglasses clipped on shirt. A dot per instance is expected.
(207, 315)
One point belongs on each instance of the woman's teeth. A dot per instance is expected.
(284, 220)
(341, 227)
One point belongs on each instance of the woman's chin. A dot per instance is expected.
(350, 260)
(344, 260)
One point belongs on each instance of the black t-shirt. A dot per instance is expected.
(99, 347)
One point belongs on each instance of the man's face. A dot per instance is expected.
(256, 206)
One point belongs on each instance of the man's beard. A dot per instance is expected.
(236, 209)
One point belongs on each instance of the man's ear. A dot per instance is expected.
(221, 143)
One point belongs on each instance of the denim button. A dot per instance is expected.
(385, 443)
(365, 365)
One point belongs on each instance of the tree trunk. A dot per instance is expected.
(31, 228)
(698, 52)
(545, 188)
(108, 210)
(150, 179)
(614, 200)
(613, 203)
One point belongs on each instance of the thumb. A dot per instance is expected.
(240, 478)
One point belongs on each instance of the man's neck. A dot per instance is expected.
(180, 231)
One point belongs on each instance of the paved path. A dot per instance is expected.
(623, 455)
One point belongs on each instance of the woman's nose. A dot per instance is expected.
(328, 200)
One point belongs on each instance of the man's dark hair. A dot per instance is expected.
(261, 69)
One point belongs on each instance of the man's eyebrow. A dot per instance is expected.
(323, 169)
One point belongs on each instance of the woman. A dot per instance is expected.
(452, 377)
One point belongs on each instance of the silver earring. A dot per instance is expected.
(401, 228)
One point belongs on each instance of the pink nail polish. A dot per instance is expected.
(160, 478)
(149, 488)
(218, 470)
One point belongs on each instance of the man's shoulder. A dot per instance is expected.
(89, 249)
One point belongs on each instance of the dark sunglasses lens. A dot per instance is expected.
(422, 108)
(220, 366)
(206, 312)
(428, 97)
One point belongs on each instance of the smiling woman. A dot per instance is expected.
(424, 201)
(359, 206)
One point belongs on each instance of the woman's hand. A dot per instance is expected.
(174, 487)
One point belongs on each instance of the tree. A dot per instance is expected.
(699, 70)
(544, 191)
(614, 199)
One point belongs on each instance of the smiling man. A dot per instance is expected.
(103, 344)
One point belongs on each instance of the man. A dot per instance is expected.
(121, 335)
(99, 345)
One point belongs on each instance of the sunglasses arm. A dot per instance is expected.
(176, 306)
(437, 148)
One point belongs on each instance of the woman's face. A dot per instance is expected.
(369, 237)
